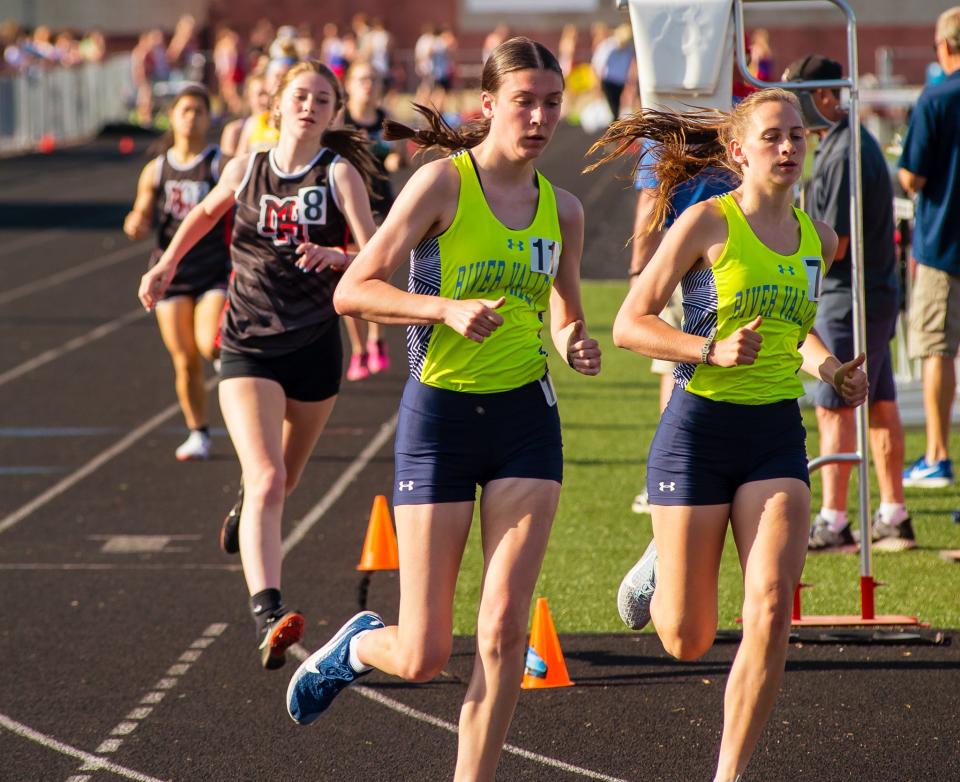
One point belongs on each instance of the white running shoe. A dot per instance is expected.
(195, 448)
(637, 588)
(641, 503)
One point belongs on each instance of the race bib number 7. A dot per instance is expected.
(814, 278)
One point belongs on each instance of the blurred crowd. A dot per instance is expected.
(27, 49)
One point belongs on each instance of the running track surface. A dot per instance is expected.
(121, 663)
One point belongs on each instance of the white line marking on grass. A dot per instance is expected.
(65, 749)
(94, 464)
(68, 347)
(299, 532)
(76, 271)
(30, 241)
(298, 651)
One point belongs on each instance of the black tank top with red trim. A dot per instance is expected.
(274, 308)
(179, 188)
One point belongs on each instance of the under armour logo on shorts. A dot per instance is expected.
(672, 486)
(405, 485)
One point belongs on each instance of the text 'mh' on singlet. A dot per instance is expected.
(273, 307)
(747, 280)
(179, 187)
(478, 257)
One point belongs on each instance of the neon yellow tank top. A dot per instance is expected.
(747, 280)
(264, 135)
(478, 257)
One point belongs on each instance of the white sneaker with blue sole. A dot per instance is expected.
(324, 673)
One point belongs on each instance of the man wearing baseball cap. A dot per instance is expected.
(828, 199)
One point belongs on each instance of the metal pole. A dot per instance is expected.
(859, 312)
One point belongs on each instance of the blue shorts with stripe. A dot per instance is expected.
(449, 442)
(704, 450)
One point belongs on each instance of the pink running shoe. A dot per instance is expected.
(378, 360)
(358, 367)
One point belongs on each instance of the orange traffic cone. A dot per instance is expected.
(380, 545)
(545, 666)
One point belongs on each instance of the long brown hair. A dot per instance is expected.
(683, 145)
(351, 144)
(515, 54)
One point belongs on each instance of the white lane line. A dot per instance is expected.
(124, 254)
(65, 749)
(300, 530)
(67, 347)
(298, 651)
(31, 241)
(94, 464)
(135, 717)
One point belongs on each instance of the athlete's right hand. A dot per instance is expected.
(154, 284)
(136, 225)
(741, 347)
(474, 319)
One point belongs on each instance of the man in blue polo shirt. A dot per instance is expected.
(930, 170)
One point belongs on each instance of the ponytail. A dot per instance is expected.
(353, 146)
(683, 145)
(438, 134)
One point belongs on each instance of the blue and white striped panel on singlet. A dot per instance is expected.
(425, 280)
(699, 313)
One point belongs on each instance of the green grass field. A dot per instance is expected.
(608, 422)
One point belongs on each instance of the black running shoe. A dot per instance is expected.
(230, 530)
(278, 634)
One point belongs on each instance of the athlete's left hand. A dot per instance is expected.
(583, 353)
(851, 382)
(314, 258)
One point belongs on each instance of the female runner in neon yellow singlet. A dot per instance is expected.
(492, 243)
(730, 447)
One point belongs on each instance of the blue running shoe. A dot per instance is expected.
(923, 475)
(636, 590)
(324, 673)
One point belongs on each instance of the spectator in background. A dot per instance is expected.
(423, 62)
(379, 44)
(494, 38)
(229, 70)
(259, 40)
(930, 170)
(93, 46)
(305, 44)
(183, 50)
(567, 48)
(613, 62)
(828, 200)
(761, 55)
(149, 66)
(331, 50)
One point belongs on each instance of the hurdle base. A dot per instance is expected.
(854, 620)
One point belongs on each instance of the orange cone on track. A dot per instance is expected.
(545, 665)
(380, 545)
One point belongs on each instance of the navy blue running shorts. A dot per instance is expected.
(836, 331)
(704, 450)
(309, 374)
(448, 442)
